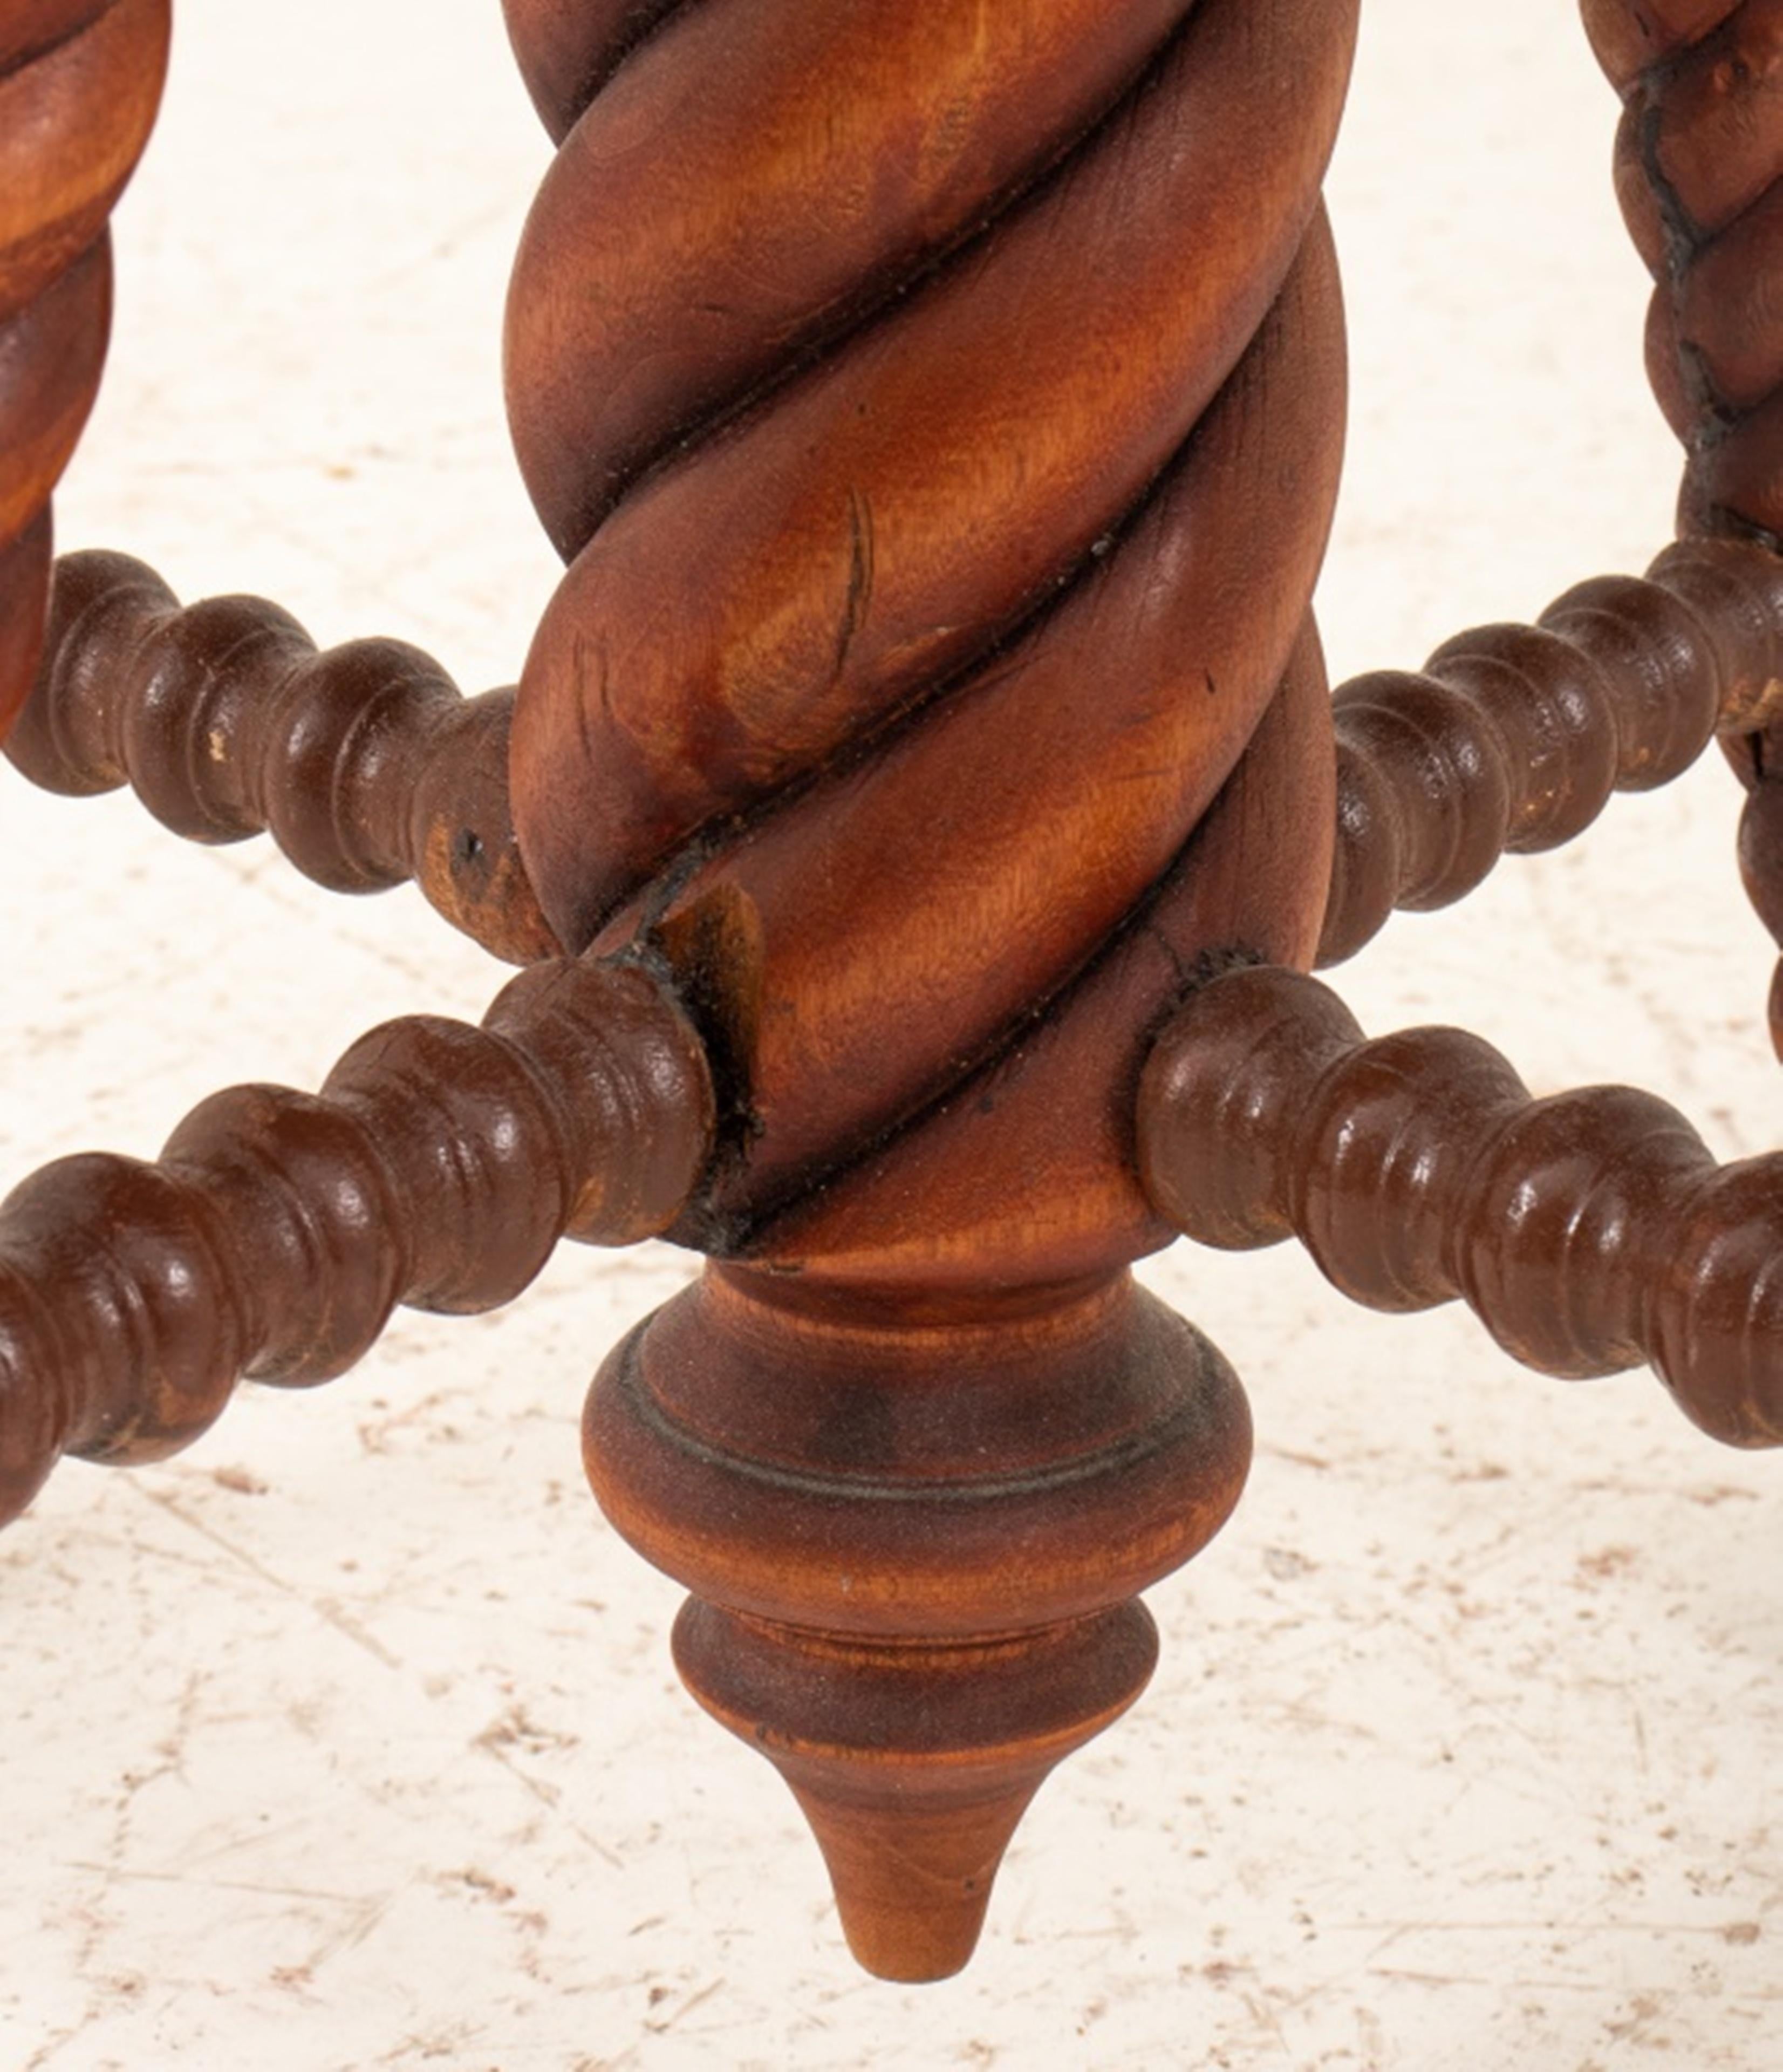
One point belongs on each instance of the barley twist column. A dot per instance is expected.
(1699, 173)
(939, 411)
(79, 84)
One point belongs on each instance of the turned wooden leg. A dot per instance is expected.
(1696, 165)
(932, 688)
(363, 763)
(915, 1544)
(1589, 1231)
(439, 1167)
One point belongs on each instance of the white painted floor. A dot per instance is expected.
(350, 1740)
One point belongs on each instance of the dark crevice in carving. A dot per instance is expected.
(1682, 241)
(978, 675)
(736, 1237)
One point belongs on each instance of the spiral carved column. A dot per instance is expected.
(80, 84)
(1699, 173)
(939, 411)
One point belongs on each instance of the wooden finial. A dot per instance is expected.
(1589, 1231)
(914, 1548)
(438, 1167)
(364, 762)
(914, 1765)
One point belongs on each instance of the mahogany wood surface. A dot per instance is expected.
(795, 582)
(823, 522)
(365, 763)
(439, 1167)
(79, 84)
(1590, 1230)
(915, 1554)
(940, 412)
(912, 693)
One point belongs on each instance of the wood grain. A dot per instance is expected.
(942, 416)
(791, 585)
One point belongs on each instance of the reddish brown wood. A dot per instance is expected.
(1699, 170)
(439, 1167)
(79, 84)
(1589, 1231)
(1758, 758)
(779, 593)
(939, 409)
(915, 1544)
(1698, 155)
(1630, 35)
(1514, 737)
(701, 258)
(930, 527)
(364, 762)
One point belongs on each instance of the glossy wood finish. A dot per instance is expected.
(686, 218)
(882, 548)
(1015, 872)
(915, 1552)
(1589, 1231)
(1513, 738)
(1698, 160)
(776, 594)
(439, 1167)
(939, 411)
(79, 84)
(1700, 170)
(364, 762)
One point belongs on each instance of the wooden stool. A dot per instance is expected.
(920, 812)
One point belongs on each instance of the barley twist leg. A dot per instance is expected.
(940, 412)
(1699, 172)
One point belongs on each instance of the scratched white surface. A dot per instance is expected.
(350, 1740)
